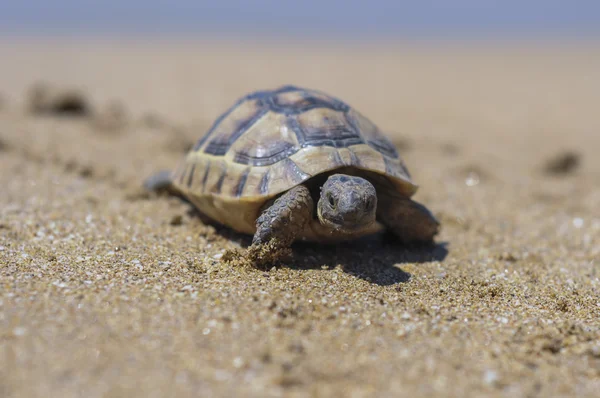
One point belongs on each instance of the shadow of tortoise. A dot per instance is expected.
(377, 259)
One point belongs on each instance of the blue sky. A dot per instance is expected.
(304, 18)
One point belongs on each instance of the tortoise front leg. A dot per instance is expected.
(409, 221)
(279, 225)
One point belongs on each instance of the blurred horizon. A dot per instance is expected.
(311, 19)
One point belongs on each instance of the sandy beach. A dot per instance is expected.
(109, 291)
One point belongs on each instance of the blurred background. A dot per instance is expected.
(308, 19)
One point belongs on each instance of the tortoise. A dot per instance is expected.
(298, 164)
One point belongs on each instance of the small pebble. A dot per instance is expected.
(19, 331)
(176, 220)
(563, 163)
(578, 222)
(490, 377)
(52, 100)
(472, 179)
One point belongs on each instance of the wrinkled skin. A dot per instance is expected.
(347, 204)
(285, 218)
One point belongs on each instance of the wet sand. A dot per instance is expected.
(108, 291)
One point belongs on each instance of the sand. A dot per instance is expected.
(107, 291)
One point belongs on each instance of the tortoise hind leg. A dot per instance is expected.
(409, 221)
(161, 182)
(279, 225)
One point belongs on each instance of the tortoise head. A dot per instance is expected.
(347, 203)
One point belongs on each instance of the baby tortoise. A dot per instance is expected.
(297, 164)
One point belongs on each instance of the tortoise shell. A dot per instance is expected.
(272, 140)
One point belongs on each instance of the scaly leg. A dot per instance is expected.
(409, 221)
(279, 225)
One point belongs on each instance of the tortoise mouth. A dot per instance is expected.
(346, 227)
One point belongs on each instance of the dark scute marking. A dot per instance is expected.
(379, 144)
(354, 160)
(221, 178)
(219, 120)
(293, 123)
(338, 158)
(202, 140)
(343, 178)
(265, 97)
(352, 122)
(263, 187)
(385, 147)
(341, 141)
(182, 175)
(308, 102)
(281, 150)
(390, 168)
(191, 175)
(260, 94)
(239, 188)
(292, 168)
(205, 178)
(403, 167)
(337, 136)
(219, 145)
(332, 102)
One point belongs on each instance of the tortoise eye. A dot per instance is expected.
(330, 199)
(369, 204)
